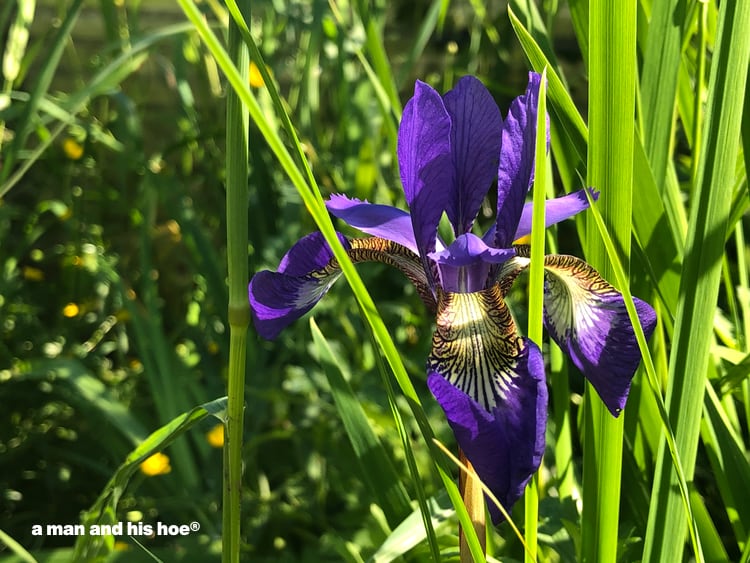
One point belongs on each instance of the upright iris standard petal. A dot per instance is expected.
(425, 164)
(475, 145)
(516, 169)
(587, 317)
(304, 275)
(490, 383)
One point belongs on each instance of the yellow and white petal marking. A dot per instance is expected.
(475, 345)
(576, 296)
(374, 249)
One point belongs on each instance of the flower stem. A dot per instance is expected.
(473, 497)
(239, 308)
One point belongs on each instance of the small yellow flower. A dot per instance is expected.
(71, 310)
(72, 148)
(32, 274)
(157, 464)
(256, 79)
(215, 436)
(121, 546)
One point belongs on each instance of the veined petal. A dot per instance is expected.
(309, 269)
(516, 169)
(555, 210)
(490, 383)
(305, 274)
(425, 164)
(378, 220)
(475, 146)
(587, 317)
(465, 265)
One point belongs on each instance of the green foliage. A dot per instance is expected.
(114, 295)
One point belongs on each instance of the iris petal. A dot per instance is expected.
(490, 383)
(375, 219)
(516, 169)
(475, 145)
(555, 210)
(587, 317)
(425, 164)
(309, 269)
(465, 265)
(304, 276)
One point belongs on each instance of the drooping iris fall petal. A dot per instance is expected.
(587, 318)
(308, 271)
(490, 383)
(304, 276)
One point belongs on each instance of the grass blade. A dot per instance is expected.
(375, 464)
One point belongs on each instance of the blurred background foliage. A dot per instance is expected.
(112, 267)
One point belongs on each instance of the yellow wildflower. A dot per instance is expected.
(72, 148)
(71, 310)
(157, 464)
(215, 436)
(256, 79)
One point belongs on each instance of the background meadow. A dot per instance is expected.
(113, 277)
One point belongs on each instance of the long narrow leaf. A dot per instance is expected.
(612, 82)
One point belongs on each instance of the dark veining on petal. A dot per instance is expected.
(564, 303)
(374, 249)
(475, 345)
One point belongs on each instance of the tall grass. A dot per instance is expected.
(329, 447)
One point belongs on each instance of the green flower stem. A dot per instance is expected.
(473, 497)
(239, 307)
(612, 72)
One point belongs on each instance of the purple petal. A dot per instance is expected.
(424, 158)
(586, 316)
(374, 219)
(467, 249)
(465, 265)
(305, 274)
(516, 169)
(475, 145)
(555, 210)
(490, 383)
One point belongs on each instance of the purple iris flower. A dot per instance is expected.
(488, 378)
